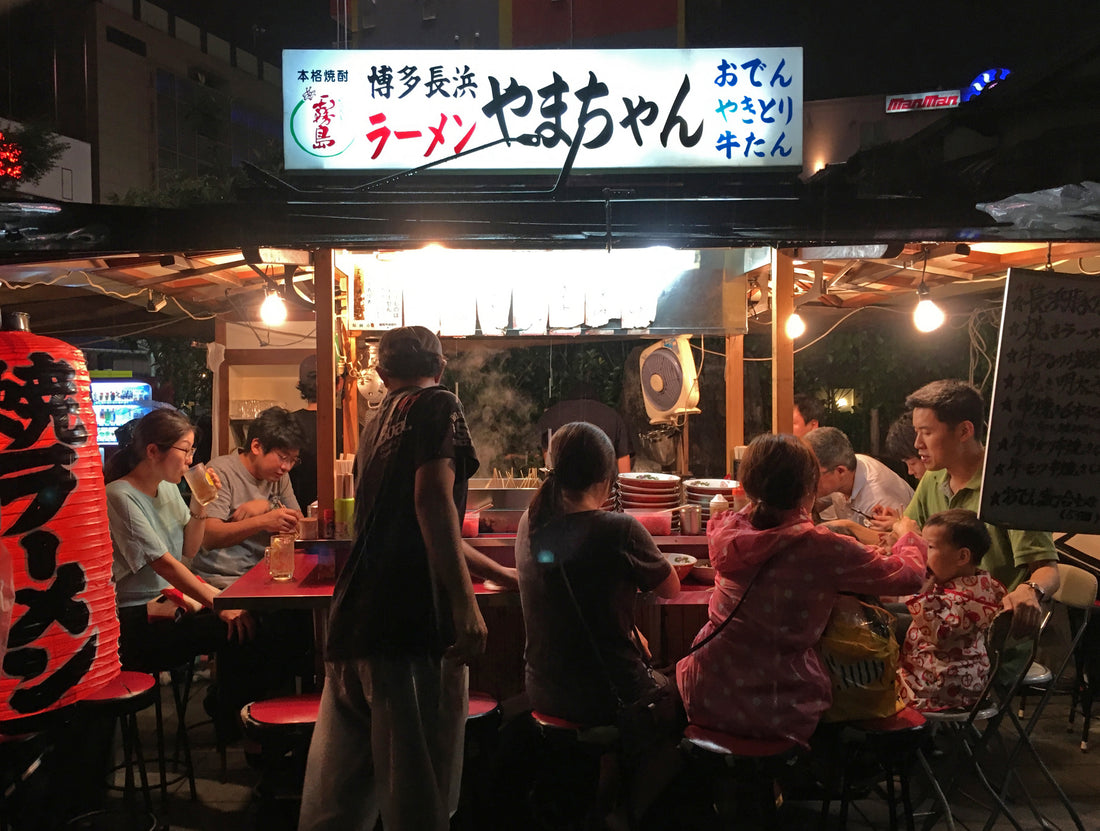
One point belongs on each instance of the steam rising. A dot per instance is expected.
(501, 418)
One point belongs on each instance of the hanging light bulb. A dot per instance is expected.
(795, 326)
(927, 316)
(273, 309)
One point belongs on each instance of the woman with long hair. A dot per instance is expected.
(153, 531)
(760, 677)
(580, 570)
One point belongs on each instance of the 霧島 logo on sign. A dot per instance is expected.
(318, 125)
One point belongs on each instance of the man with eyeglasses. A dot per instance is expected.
(256, 499)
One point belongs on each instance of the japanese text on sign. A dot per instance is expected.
(525, 110)
(1042, 470)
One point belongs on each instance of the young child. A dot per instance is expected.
(943, 660)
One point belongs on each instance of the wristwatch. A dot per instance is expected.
(1038, 590)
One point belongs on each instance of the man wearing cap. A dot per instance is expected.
(303, 476)
(404, 621)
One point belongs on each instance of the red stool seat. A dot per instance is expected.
(481, 705)
(288, 710)
(715, 741)
(598, 735)
(553, 721)
(126, 686)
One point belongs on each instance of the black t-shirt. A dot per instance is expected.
(607, 558)
(303, 476)
(593, 412)
(386, 600)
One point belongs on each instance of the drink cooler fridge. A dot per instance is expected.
(116, 402)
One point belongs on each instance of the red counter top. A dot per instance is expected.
(309, 588)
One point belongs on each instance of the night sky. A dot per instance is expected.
(852, 47)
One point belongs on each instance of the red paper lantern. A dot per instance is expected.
(58, 625)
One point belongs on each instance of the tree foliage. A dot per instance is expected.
(180, 372)
(40, 149)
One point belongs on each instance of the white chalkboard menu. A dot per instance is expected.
(1042, 457)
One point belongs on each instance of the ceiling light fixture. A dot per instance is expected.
(795, 326)
(927, 316)
(273, 309)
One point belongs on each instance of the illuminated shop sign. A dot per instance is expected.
(985, 80)
(523, 111)
(943, 100)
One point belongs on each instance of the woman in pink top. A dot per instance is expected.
(761, 677)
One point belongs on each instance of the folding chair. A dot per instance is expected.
(970, 741)
(1083, 551)
(1077, 591)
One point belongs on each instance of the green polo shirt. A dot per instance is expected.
(1012, 551)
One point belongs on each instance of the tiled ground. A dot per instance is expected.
(231, 804)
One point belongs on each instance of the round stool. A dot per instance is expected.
(583, 771)
(123, 698)
(283, 728)
(483, 718)
(743, 772)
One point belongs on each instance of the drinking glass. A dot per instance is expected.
(280, 557)
(202, 486)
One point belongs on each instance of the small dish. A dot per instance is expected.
(703, 572)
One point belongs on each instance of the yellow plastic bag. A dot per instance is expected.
(859, 651)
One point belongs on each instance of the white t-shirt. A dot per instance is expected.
(875, 484)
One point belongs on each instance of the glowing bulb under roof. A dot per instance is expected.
(795, 326)
(273, 310)
(927, 316)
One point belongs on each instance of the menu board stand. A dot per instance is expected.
(1042, 462)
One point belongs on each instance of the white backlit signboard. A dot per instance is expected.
(947, 99)
(509, 111)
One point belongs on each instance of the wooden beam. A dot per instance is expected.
(268, 356)
(782, 346)
(324, 293)
(735, 397)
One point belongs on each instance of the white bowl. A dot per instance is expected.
(682, 564)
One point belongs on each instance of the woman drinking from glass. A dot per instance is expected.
(153, 531)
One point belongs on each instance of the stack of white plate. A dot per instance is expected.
(650, 492)
(701, 491)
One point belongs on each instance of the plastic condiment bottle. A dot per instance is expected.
(718, 505)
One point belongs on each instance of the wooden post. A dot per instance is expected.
(324, 299)
(219, 418)
(782, 346)
(683, 468)
(350, 398)
(734, 321)
(735, 397)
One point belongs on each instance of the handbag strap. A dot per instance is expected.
(596, 647)
(697, 646)
(591, 639)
